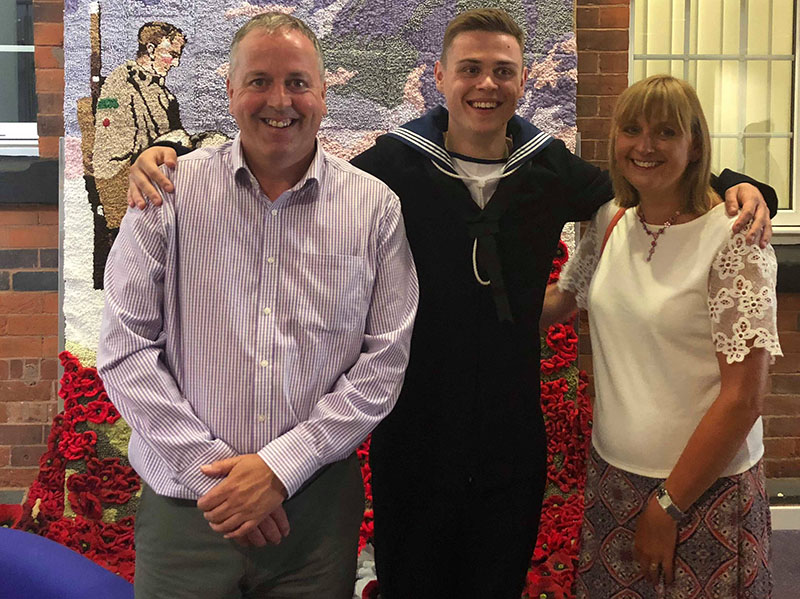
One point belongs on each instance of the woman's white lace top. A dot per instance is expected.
(657, 328)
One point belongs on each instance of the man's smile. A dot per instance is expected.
(279, 124)
(483, 104)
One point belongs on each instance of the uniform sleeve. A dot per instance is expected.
(742, 303)
(729, 178)
(585, 186)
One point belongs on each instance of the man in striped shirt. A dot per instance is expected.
(256, 329)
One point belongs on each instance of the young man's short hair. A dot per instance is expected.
(155, 31)
(494, 20)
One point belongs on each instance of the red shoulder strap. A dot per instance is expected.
(610, 228)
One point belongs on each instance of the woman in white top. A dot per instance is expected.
(682, 315)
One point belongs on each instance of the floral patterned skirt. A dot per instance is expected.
(723, 544)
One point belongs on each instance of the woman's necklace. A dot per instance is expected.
(655, 235)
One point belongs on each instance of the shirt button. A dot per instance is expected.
(267, 311)
(261, 417)
(271, 260)
(274, 213)
(264, 363)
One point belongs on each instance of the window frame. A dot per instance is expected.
(787, 222)
(19, 138)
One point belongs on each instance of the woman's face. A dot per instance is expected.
(653, 157)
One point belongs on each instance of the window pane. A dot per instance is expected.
(678, 26)
(756, 157)
(780, 156)
(758, 26)
(727, 154)
(639, 28)
(658, 28)
(657, 67)
(707, 85)
(16, 23)
(782, 21)
(731, 21)
(730, 98)
(781, 96)
(758, 90)
(709, 26)
(17, 93)
(639, 69)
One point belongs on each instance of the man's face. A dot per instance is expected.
(482, 79)
(277, 96)
(166, 54)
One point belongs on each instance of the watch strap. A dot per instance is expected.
(666, 503)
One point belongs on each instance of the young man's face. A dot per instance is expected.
(166, 54)
(482, 79)
(277, 96)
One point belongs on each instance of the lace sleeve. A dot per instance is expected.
(741, 299)
(578, 271)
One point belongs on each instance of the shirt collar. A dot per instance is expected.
(311, 179)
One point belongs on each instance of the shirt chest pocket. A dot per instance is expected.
(330, 293)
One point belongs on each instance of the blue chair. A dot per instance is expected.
(33, 567)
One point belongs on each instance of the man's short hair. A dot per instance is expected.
(272, 22)
(494, 20)
(155, 31)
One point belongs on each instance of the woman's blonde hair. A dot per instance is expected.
(666, 99)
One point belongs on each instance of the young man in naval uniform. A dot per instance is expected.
(459, 465)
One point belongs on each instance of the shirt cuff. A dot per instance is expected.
(194, 479)
(291, 459)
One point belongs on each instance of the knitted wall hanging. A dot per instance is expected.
(137, 71)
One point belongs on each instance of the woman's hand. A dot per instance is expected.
(145, 172)
(654, 543)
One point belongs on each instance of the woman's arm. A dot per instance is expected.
(712, 446)
(722, 430)
(558, 306)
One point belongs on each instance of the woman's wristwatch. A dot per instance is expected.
(665, 501)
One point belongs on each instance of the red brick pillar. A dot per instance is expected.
(48, 38)
(602, 28)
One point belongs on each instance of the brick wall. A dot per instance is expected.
(29, 331)
(602, 37)
(782, 405)
(48, 38)
(29, 284)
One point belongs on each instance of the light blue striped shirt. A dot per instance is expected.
(237, 325)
